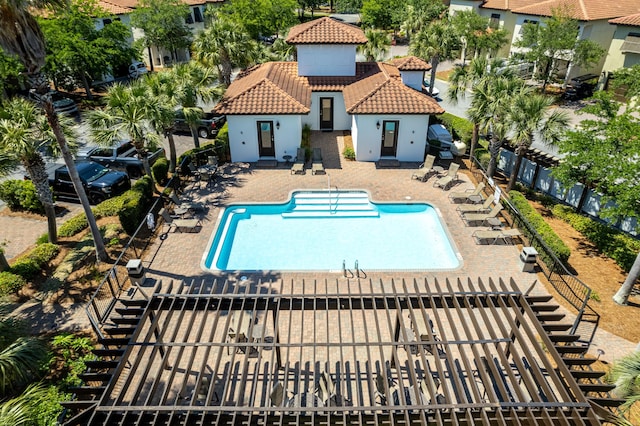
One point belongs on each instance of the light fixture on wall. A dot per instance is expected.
(278, 125)
(378, 124)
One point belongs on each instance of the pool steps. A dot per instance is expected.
(335, 204)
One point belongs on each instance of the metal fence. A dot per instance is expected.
(568, 286)
(117, 281)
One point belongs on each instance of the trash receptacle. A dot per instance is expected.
(136, 271)
(528, 259)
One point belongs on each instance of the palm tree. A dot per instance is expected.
(126, 115)
(21, 36)
(436, 42)
(225, 44)
(625, 374)
(24, 133)
(194, 82)
(23, 409)
(161, 88)
(478, 73)
(531, 115)
(378, 43)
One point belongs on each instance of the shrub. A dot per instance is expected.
(26, 268)
(349, 153)
(74, 225)
(109, 207)
(10, 283)
(613, 243)
(43, 253)
(222, 143)
(543, 229)
(21, 195)
(460, 128)
(44, 238)
(160, 170)
(136, 203)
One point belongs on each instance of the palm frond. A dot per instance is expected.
(19, 361)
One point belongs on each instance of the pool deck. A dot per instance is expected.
(179, 256)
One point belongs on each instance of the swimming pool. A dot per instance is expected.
(319, 230)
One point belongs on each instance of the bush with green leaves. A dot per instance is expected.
(620, 247)
(460, 128)
(535, 219)
(10, 283)
(20, 195)
(136, 203)
(74, 351)
(74, 225)
(349, 153)
(30, 264)
(160, 170)
(43, 253)
(107, 208)
(222, 143)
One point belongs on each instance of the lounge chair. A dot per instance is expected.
(186, 205)
(298, 165)
(446, 180)
(476, 208)
(482, 217)
(495, 234)
(463, 196)
(425, 170)
(316, 164)
(179, 224)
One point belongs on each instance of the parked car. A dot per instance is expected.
(137, 69)
(425, 88)
(122, 156)
(99, 182)
(208, 125)
(61, 103)
(581, 87)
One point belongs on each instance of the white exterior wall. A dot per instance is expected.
(600, 32)
(243, 136)
(341, 120)
(330, 59)
(519, 22)
(456, 5)
(413, 79)
(615, 59)
(412, 136)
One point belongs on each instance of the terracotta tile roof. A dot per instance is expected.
(325, 31)
(275, 88)
(410, 63)
(270, 88)
(631, 20)
(582, 10)
(113, 8)
(382, 93)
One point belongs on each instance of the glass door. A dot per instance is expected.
(326, 113)
(265, 139)
(389, 138)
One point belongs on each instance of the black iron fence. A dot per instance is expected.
(569, 287)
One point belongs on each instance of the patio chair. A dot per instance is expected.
(326, 388)
(298, 165)
(280, 396)
(446, 180)
(425, 170)
(476, 208)
(186, 205)
(494, 235)
(316, 164)
(482, 217)
(212, 160)
(206, 178)
(463, 196)
(179, 224)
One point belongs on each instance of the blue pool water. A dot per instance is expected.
(313, 232)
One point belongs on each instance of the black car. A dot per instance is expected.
(208, 125)
(99, 182)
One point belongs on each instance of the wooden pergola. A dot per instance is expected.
(354, 352)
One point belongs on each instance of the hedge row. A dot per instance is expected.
(460, 128)
(21, 195)
(613, 243)
(160, 170)
(26, 267)
(534, 218)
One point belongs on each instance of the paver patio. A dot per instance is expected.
(179, 256)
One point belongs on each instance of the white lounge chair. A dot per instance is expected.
(298, 165)
(476, 208)
(316, 164)
(179, 224)
(425, 170)
(481, 217)
(463, 196)
(446, 180)
(494, 235)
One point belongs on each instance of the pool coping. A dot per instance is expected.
(223, 209)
